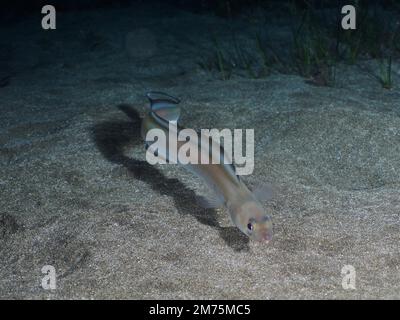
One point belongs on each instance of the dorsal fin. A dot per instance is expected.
(164, 105)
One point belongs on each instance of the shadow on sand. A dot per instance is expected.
(111, 137)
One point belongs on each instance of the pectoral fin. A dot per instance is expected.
(264, 192)
(209, 202)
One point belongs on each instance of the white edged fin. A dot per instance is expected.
(264, 192)
(209, 202)
(164, 105)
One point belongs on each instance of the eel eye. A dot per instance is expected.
(250, 226)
